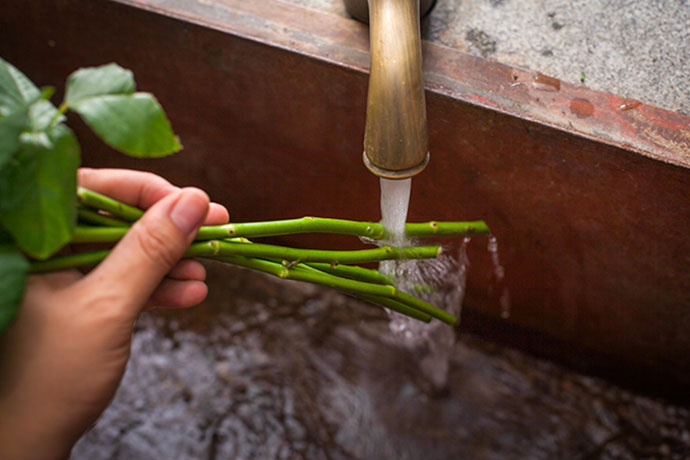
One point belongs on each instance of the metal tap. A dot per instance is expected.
(395, 138)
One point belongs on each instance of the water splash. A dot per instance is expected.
(441, 282)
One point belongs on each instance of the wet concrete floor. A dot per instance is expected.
(269, 369)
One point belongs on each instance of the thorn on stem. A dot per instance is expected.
(291, 264)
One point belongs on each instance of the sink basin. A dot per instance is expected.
(586, 192)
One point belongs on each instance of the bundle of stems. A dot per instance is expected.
(105, 220)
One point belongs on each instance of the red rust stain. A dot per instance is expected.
(582, 108)
(483, 100)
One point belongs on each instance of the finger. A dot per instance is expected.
(135, 188)
(217, 215)
(148, 251)
(178, 294)
(187, 269)
(139, 188)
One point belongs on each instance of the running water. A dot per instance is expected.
(395, 199)
(440, 281)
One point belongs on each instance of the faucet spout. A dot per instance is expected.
(395, 139)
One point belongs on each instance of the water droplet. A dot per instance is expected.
(367, 240)
(504, 301)
(629, 106)
(543, 82)
(492, 247)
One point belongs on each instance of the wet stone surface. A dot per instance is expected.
(268, 369)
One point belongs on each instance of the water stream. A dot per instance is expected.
(440, 281)
(395, 200)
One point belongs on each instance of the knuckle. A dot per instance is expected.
(155, 246)
(152, 182)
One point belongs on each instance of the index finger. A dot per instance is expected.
(138, 188)
(135, 188)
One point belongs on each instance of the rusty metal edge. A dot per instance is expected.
(602, 117)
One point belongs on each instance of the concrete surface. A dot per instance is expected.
(635, 49)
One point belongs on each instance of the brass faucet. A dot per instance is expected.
(395, 138)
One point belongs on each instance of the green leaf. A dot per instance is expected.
(134, 124)
(16, 91)
(11, 126)
(98, 81)
(41, 114)
(13, 269)
(38, 191)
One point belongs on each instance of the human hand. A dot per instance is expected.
(64, 356)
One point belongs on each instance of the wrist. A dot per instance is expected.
(30, 431)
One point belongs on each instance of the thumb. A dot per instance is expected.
(155, 243)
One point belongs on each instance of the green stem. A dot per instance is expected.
(364, 274)
(82, 259)
(214, 248)
(371, 230)
(114, 207)
(315, 266)
(284, 227)
(351, 286)
(83, 234)
(269, 251)
(355, 273)
(477, 227)
(294, 226)
(62, 109)
(97, 218)
(395, 306)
